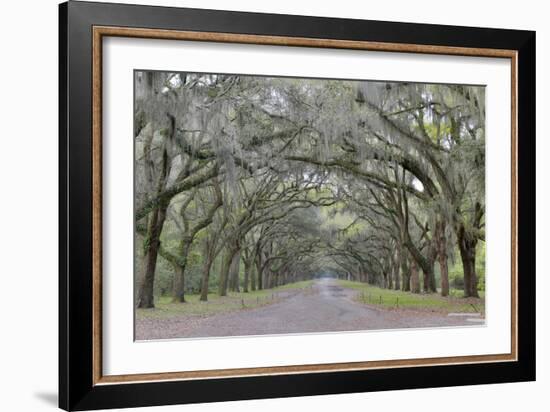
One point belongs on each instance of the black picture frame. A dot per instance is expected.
(77, 390)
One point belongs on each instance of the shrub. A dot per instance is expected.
(457, 282)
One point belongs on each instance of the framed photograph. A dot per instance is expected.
(256, 205)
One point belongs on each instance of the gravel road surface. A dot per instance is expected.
(325, 307)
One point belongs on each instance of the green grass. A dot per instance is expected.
(459, 293)
(373, 295)
(165, 308)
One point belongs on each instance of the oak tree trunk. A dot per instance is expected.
(415, 281)
(259, 272)
(180, 265)
(467, 246)
(395, 264)
(442, 257)
(444, 269)
(145, 297)
(405, 273)
(205, 278)
(247, 269)
(234, 272)
(225, 269)
(429, 272)
(179, 283)
(252, 272)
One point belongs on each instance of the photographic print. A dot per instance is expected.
(277, 205)
(231, 181)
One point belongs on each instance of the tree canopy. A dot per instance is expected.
(252, 182)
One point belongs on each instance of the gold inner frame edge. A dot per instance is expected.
(98, 32)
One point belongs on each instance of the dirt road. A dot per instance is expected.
(325, 307)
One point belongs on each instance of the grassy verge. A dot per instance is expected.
(373, 295)
(165, 308)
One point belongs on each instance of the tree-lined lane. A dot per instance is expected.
(251, 182)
